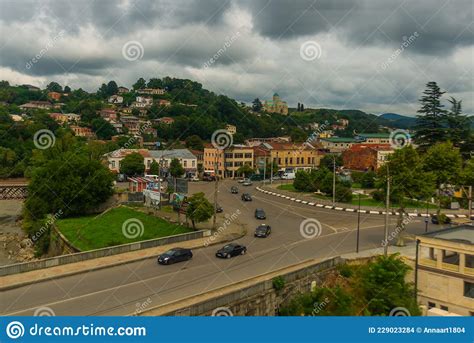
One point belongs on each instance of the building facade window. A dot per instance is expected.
(469, 289)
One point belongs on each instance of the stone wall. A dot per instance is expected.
(252, 297)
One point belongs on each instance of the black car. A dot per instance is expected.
(219, 209)
(231, 250)
(263, 231)
(234, 190)
(435, 220)
(246, 197)
(175, 255)
(260, 214)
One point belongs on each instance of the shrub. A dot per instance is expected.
(278, 283)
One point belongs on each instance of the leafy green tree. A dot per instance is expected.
(458, 125)
(328, 161)
(444, 161)
(103, 129)
(112, 88)
(140, 84)
(132, 164)
(430, 127)
(257, 105)
(67, 89)
(468, 173)
(194, 142)
(245, 170)
(302, 181)
(368, 179)
(54, 87)
(154, 168)
(176, 169)
(199, 209)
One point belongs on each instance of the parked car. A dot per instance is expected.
(260, 213)
(208, 178)
(194, 178)
(175, 255)
(231, 250)
(288, 176)
(445, 220)
(263, 231)
(234, 190)
(219, 208)
(247, 183)
(242, 180)
(246, 197)
(256, 177)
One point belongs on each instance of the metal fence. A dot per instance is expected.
(88, 255)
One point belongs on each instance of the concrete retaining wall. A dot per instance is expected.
(87, 255)
(253, 297)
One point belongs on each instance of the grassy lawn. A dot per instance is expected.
(365, 200)
(99, 231)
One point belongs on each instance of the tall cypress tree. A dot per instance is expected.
(459, 125)
(430, 126)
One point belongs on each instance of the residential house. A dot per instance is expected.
(258, 141)
(166, 120)
(31, 88)
(131, 123)
(65, 117)
(115, 99)
(37, 105)
(56, 96)
(232, 129)
(123, 90)
(108, 114)
(82, 131)
(445, 271)
(163, 102)
(16, 117)
(151, 91)
(362, 156)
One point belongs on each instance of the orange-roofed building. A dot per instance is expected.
(366, 156)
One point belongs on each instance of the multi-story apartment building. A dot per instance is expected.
(337, 144)
(293, 156)
(366, 156)
(375, 138)
(228, 160)
(445, 271)
(151, 91)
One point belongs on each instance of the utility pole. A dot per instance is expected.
(387, 208)
(427, 216)
(264, 167)
(271, 168)
(334, 181)
(470, 203)
(216, 184)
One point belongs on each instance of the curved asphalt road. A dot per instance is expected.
(123, 289)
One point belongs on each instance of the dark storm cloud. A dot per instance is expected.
(442, 24)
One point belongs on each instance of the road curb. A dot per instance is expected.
(115, 264)
(346, 209)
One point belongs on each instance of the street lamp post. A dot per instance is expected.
(427, 216)
(358, 226)
(387, 208)
(334, 181)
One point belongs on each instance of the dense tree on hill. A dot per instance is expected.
(257, 105)
(430, 122)
(154, 83)
(103, 129)
(444, 161)
(67, 89)
(54, 87)
(140, 84)
(194, 142)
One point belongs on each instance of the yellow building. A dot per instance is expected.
(445, 271)
(228, 160)
(288, 155)
(276, 105)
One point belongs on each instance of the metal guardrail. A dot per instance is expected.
(92, 254)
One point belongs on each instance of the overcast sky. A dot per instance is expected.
(373, 55)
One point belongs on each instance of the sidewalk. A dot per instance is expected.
(308, 199)
(22, 279)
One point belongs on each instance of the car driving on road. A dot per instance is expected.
(260, 213)
(231, 250)
(219, 209)
(263, 231)
(246, 197)
(175, 255)
(234, 190)
(247, 182)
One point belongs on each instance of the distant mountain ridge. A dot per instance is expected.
(397, 120)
